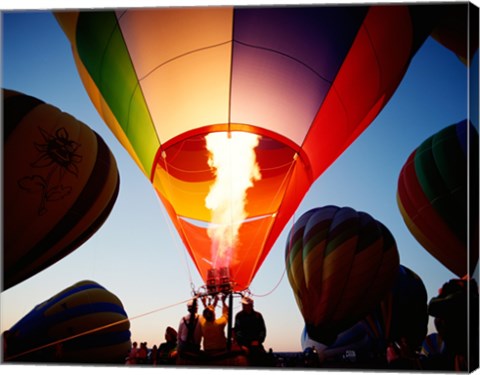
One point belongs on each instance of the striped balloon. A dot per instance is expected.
(60, 184)
(84, 323)
(306, 81)
(433, 345)
(438, 196)
(340, 264)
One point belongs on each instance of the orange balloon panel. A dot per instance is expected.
(245, 256)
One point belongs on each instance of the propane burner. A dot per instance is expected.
(218, 280)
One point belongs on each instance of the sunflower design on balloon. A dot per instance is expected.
(58, 156)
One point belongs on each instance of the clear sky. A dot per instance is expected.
(138, 256)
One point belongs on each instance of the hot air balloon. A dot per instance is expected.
(456, 28)
(84, 323)
(402, 313)
(340, 264)
(233, 112)
(438, 196)
(60, 183)
(355, 339)
(433, 345)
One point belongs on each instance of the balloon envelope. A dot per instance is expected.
(438, 196)
(457, 29)
(84, 323)
(402, 312)
(340, 264)
(354, 338)
(433, 345)
(60, 183)
(305, 80)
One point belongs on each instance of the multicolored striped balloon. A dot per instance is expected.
(84, 323)
(340, 264)
(433, 345)
(60, 183)
(307, 80)
(438, 196)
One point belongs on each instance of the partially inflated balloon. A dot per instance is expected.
(60, 182)
(438, 196)
(340, 264)
(402, 313)
(355, 338)
(298, 83)
(84, 323)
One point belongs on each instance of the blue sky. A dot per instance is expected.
(138, 256)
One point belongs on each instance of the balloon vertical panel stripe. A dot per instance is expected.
(335, 281)
(442, 192)
(386, 272)
(17, 107)
(420, 216)
(103, 51)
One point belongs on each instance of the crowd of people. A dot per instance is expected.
(164, 354)
(201, 337)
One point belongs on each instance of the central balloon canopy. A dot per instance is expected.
(306, 81)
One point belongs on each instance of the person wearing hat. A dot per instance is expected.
(250, 330)
(455, 310)
(213, 329)
(189, 330)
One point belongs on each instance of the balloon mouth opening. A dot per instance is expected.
(220, 229)
(185, 172)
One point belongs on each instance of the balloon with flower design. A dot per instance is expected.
(60, 183)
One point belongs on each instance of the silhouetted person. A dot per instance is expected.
(166, 353)
(189, 330)
(456, 319)
(250, 331)
(132, 355)
(142, 354)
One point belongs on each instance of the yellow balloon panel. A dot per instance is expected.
(46, 188)
(155, 37)
(190, 92)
